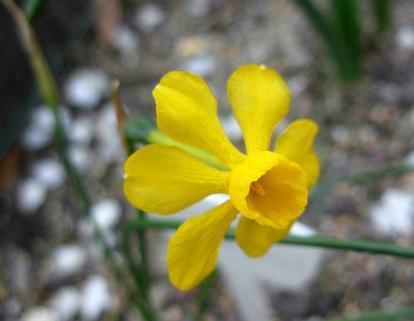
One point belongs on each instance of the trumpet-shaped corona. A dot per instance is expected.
(267, 188)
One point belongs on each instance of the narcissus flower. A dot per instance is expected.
(269, 189)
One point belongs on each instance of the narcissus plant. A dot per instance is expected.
(267, 188)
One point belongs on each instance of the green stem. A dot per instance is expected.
(32, 8)
(48, 89)
(204, 295)
(316, 240)
(381, 315)
(382, 10)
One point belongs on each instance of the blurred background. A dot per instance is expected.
(349, 66)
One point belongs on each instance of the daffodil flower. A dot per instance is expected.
(269, 189)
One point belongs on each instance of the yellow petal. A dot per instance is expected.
(193, 249)
(269, 188)
(259, 98)
(162, 179)
(296, 143)
(256, 239)
(187, 111)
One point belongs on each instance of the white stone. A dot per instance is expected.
(81, 156)
(106, 213)
(49, 172)
(40, 313)
(31, 194)
(297, 84)
(39, 132)
(409, 160)
(405, 38)
(95, 297)
(341, 134)
(110, 147)
(82, 130)
(67, 260)
(86, 87)
(232, 128)
(203, 66)
(394, 213)
(66, 303)
(126, 41)
(198, 8)
(149, 16)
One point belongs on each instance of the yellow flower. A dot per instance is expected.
(268, 188)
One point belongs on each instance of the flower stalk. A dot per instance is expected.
(372, 247)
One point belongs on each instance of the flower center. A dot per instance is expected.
(257, 188)
(269, 188)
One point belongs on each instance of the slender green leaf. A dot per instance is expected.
(316, 240)
(382, 12)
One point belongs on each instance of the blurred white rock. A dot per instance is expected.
(198, 8)
(394, 213)
(409, 160)
(82, 130)
(149, 16)
(12, 307)
(39, 132)
(81, 156)
(405, 38)
(110, 147)
(49, 172)
(106, 213)
(66, 303)
(126, 41)
(31, 194)
(86, 87)
(231, 128)
(203, 66)
(96, 298)
(67, 260)
(40, 313)
(297, 84)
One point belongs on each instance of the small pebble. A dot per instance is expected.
(409, 160)
(82, 130)
(198, 8)
(68, 260)
(203, 66)
(96, 298)
(107, 213)
(31, 194)
(126, 41)
(405, 38)
(49, 172)
(109, 144)
(66, 303)
(149, 16)
(40, 314)
(82, 157)
(85, 88)
(394, 213)
(39, 132)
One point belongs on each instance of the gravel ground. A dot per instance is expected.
(51, 267)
